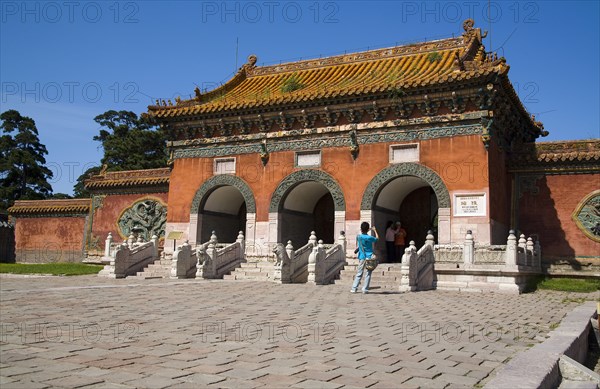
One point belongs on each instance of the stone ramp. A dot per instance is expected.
(385, 278)
(161, 268)
(258, 270)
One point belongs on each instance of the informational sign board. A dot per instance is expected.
(175, 235)
(470, 204)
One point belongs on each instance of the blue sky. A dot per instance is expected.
(64, 62)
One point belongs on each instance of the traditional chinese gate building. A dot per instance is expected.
(431, 134)
(419, 133)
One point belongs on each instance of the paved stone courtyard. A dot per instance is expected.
(101, 333)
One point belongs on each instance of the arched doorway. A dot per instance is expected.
(307, 207)
(411, 201)
(224, 204)
(223, 210)
(412, 194)
(307, 200)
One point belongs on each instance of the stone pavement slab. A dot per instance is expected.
(93, 332)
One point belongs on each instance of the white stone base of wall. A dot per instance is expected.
(480, 282)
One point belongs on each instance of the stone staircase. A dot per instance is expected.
(161, 268)
(255, 270)
(386, 278)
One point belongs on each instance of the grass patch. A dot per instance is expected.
(583, 285)
(56, 269)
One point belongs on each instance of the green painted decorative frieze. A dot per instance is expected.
(323, 140)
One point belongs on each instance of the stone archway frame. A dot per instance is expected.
(290, 182)
(224, 180)
(426, 174)
(304, 175)
(405, 169)
(216, 182)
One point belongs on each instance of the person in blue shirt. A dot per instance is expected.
(365, 243)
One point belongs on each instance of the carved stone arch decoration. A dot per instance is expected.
(224, 180)
(405, 169)
(304, 175)
(587, 215)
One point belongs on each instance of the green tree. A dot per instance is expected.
(23, 174)
(79, 190)
(129, 142)
(60, 196)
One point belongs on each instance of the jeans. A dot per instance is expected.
(359, 274)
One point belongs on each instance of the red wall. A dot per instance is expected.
(549, 212)
(49, 239)
(460, 161)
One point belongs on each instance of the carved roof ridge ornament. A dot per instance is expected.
(199, 97)
(361, 56)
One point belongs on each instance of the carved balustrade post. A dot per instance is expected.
(312, 265)
(342, 241)
(154, 241)
(408, 270)
(107, 244)
(522, 256)
(468, 249)
(312, 239)
(511, 255)
(530, 252)
(291, 253)
(429, 239)
(211, 252)
(241, 240)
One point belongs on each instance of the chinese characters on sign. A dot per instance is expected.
(469, 205)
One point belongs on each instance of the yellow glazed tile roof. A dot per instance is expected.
(128, 178)
(569, 151)
(50, 206)
(369, 72)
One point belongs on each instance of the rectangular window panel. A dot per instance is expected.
(225, 166)
(404, 153)
(308, 159)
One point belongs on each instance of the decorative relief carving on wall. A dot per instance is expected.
(406, 169)
(146, 217)
(308, 175)
(587, 216)
(223, 180)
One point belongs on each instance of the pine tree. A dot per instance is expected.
(23, 174)
(129, 142)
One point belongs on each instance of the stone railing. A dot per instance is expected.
(214, 260)
(324, 264)
(417, 270)
(291, 266)
(129, 257)
(521, 254)
(184, 261)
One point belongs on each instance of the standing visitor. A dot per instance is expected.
(365, 243)
(390, 237)
(400, 241)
